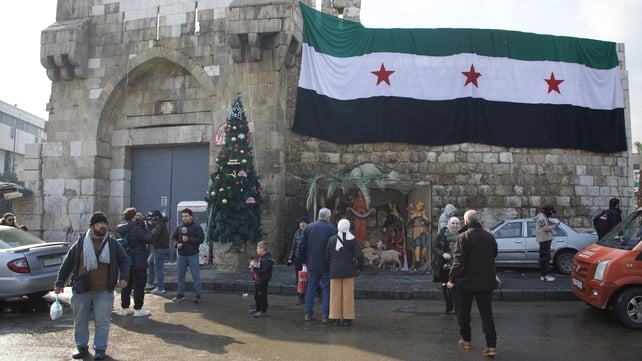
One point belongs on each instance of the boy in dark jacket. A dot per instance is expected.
(262, 274)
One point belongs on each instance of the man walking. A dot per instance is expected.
(188, 237)
(607, 219)
(473, 272)
(94, 262)
(313, 246)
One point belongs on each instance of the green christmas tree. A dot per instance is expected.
(234, 195)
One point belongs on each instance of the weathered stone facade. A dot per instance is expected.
(111, 62)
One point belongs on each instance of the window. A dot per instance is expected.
(510, 230)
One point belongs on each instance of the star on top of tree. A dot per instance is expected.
(237, 111)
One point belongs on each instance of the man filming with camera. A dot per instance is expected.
(133, 230)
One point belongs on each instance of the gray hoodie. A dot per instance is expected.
(443, 219)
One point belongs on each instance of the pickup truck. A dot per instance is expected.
(608, 273)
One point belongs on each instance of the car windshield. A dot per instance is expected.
(11, 237)
(626, 234)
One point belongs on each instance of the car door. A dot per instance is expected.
(510, 242)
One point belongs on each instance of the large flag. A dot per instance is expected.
(451, 86)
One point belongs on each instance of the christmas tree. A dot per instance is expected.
(234, 195)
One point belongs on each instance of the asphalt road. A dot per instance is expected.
(220, 329)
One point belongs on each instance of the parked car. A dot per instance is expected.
(28, 265)
(518, 247)
(608, 274)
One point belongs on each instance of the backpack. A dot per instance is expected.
(601, 223)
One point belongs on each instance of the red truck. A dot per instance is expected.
(608, 274)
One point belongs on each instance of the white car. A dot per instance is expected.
(28, 265)
(518, 247)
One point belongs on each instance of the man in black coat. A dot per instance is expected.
(473, 272)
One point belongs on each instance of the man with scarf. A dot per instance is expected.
(100, 257)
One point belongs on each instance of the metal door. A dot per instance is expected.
(164, 176)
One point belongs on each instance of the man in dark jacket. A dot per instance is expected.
(137, 240)
(98, 257)
(607, 219)
(160, 242)
(473, 272)
(188, 237)
(313, 246)
(294, 256)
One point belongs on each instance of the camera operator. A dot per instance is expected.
(137, 238)
(157, 223)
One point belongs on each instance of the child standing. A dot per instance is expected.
(262, 274)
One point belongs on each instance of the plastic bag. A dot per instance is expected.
(55, 311)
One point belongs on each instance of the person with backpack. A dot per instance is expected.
(607, 219)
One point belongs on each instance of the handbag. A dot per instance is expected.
(82, 283)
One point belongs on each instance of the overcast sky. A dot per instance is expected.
(24, 81)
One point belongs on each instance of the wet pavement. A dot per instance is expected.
(517, 284)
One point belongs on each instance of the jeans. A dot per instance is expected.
(182, 263)
(544, 257)
(160, 255)
(314, 279)
(137, 278)
(261, 296)
(151, 261)
(82, 304)
(485, 308)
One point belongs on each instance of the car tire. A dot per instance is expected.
(628, 307)
(564, 261)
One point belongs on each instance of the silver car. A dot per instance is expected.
(28, 265)
(518, 247)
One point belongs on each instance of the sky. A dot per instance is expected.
(24, 82)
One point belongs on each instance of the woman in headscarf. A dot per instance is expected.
(442, 260)
(344, 256)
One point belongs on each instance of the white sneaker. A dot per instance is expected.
(126, 311)
(149, 286)
(547, 278)
(156, 291)
(142, 313)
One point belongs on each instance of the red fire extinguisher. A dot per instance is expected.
(302, 284)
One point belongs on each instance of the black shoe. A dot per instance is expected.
(197, 299)
(337, 323)
(82, 353)
(178, 298)
(325, 319)
(99, 355)
(347, 323)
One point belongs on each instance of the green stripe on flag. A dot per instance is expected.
(343, 38)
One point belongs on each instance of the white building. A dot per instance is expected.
(17, 128)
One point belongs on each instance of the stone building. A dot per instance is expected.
(141, 89)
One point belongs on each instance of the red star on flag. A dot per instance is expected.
(383, 74)
(553, 84)
(471, 76)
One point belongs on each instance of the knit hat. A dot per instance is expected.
(304, 219)
(97, 218)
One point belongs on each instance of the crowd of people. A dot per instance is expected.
(97, 263)
(330, 256)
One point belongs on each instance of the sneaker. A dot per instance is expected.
(157, 291)
(467, 345)
(489, 352)
(142, 313)
(149, 286)
(178, 298)
(99, 355)
(259, 314)
(251, 311)
(126, 311)
(197, 299)
(308, 318)
(547, 278)
(82, 353)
